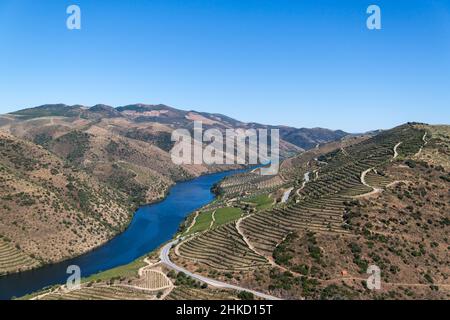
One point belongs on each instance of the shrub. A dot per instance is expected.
(245, 295)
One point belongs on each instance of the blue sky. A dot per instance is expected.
(303, 63)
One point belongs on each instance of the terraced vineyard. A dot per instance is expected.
(221, 248)
(154, 280)
(265, 231)
(13, 259)
(377, 179)
(320, 207)
(101, 293)
(342, 175)
(249, 183)
(293, 169)
(186, 293)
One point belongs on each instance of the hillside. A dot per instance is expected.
(379, 200)
(310, 138)
(72, 175)
(303, 138)
(312, 231)
(51, 210)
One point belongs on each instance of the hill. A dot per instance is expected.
(73, 175)
(303, 138)
(369, 200)
(312, 231)
(52, 210)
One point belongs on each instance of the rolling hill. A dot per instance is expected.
(73, 175)
(312, 231)
(369, 200)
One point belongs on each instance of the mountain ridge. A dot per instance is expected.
(304, 138)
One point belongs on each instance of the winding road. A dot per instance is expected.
(194, 221)
(395, 150)
(305, 181)
(424, 139)
(375, 190)
(165, 259)
(286, 195)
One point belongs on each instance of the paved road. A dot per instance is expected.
(425, 142)
(164, 256)
(395, 149)
(286, 195)
(305, 181)
(363, 177)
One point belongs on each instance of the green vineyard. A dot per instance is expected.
(221, 248)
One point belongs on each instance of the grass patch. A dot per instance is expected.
(202, 222)
(261, 202)
(126, 271)
(225, 215)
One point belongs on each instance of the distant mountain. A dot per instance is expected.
(303, 138)
(310, 138)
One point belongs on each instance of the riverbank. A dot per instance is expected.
(151, 226)
(72, 254)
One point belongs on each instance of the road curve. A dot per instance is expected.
(164, 256)
(305, 181)
(395, 149)
(286, 195)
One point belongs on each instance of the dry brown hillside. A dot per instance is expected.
(71, 181)
(51, 210)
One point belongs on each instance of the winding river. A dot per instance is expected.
(152, 225)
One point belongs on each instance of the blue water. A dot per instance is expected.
(152, 225)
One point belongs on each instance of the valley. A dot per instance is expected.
(73, 176)
(311, 231)
(225, 158)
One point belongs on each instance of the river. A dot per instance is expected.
(151, 226)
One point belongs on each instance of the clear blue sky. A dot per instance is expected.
(303, 63)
